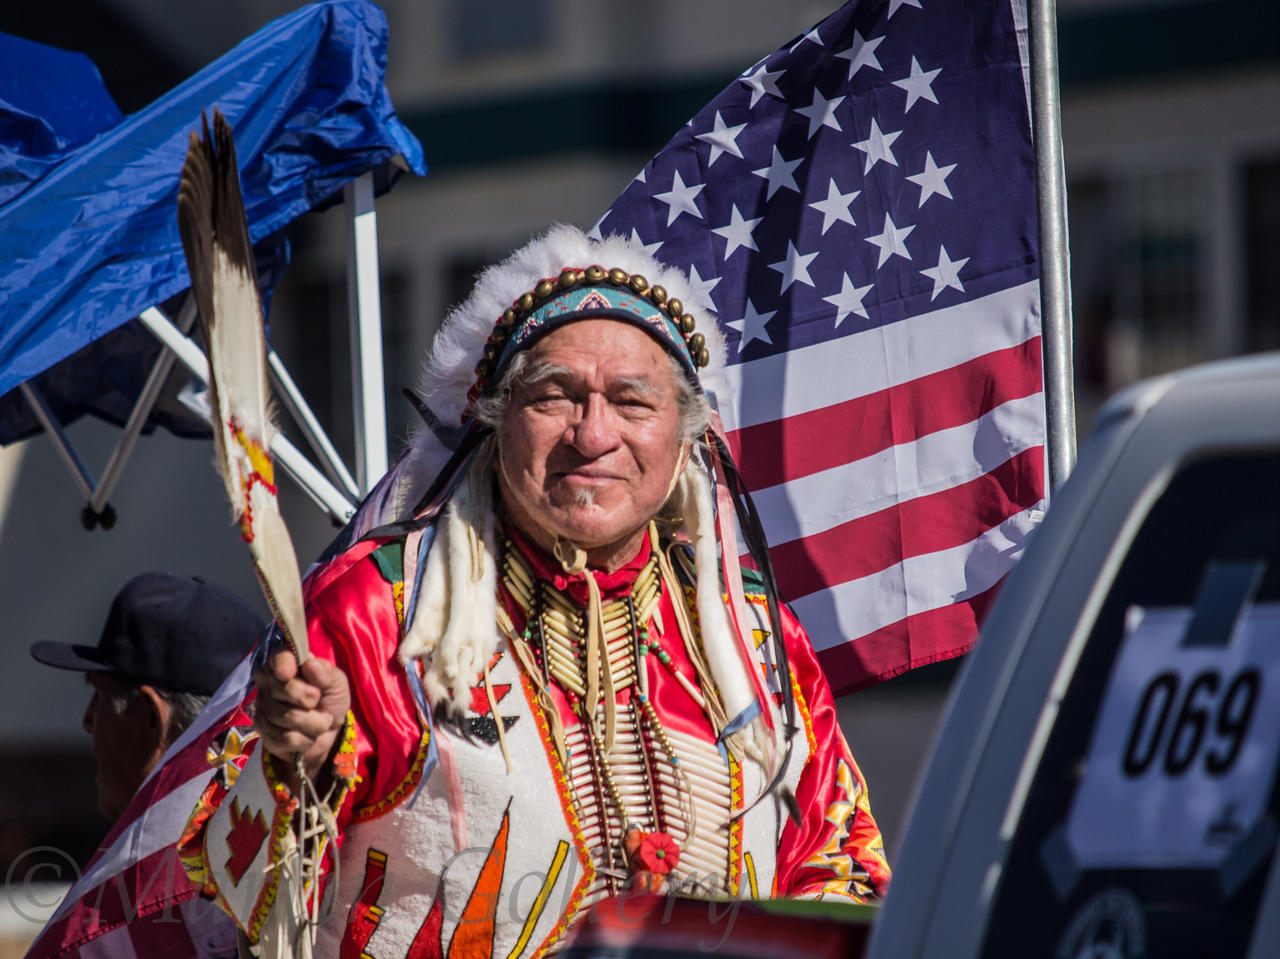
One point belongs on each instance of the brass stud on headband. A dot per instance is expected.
(568, 278)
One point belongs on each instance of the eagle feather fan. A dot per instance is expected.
(215, 238)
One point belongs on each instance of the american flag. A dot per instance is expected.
(134, 900)
(860, 205)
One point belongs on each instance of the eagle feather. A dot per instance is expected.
(215, 238)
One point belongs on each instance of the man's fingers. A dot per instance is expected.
(285, 685)
(294, 728)
(311, 723)
(324, 675)
(283, 664)
(300, 709)
(298, 692)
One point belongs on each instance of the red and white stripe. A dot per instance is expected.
(898, 472)
(134, 898)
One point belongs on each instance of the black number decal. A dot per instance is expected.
(1188, 730)
(1197, 709)
(1233, 720)
(1142, 744)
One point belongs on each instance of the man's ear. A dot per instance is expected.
(157, 716)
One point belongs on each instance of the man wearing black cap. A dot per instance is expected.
(168, 643)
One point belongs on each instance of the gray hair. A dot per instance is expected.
(491, 409)
(185, 706)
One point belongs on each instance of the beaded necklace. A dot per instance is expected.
(558, 630)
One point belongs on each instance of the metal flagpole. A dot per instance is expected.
(1051, 198)
(365, 319)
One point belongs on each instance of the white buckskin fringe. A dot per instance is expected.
(725, 659)
(454, 620)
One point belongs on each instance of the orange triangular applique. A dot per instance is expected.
(473, 939)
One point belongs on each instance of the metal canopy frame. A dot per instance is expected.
(330, 485)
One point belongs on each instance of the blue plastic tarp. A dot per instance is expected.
(50, 102)
(91, 240)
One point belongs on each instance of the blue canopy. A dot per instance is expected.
(88, 227)
(50, 100)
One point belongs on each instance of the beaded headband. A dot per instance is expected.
(582, 294)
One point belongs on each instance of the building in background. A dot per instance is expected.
(531, 111)
(1172, 144)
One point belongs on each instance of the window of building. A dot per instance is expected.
(1140, 254)
(1262, 252)
(489, 28)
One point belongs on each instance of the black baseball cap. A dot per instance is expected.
(178, 633)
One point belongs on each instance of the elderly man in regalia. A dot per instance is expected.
(550, 680)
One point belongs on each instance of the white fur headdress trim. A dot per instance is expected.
(459, 346)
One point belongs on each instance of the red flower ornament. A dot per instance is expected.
(658, 853)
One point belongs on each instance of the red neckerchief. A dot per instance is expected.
(547, 567)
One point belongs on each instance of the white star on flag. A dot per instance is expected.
(945, 274)
(896, 5)
(795, 267)
(751, 326)
(811, 35)
(703, 287)
(835, 207)
(651, 248)
(919, 85)
(892, 240)
(932, 179)
(737, 233)
(780, 173)
(679, 199)
(723, 139)
(877, 146)
(848, 300)
(861, 54)
(762, 81)
(821, 113)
